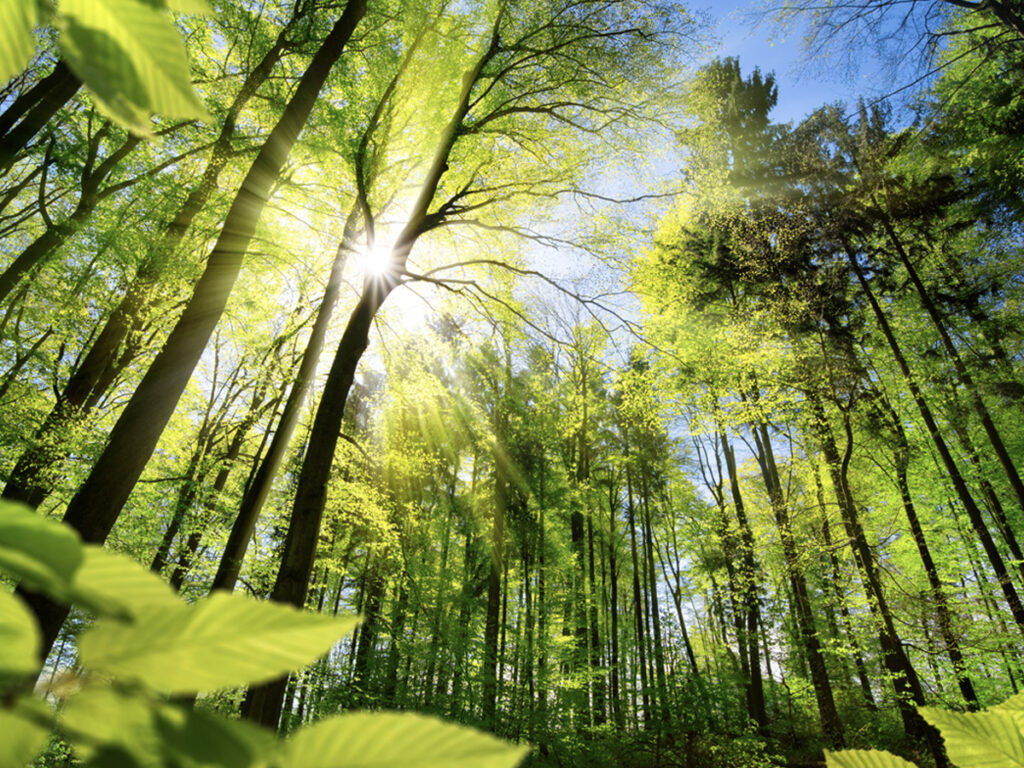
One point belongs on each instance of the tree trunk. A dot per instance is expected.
(187, 553)
(942, 612)
(398, 616)
(259, 489)
(903, 676)
(748, 578)
(830, 721)
(613, 576)
(102, 363)
(994, 437)
(652, 583)
(638, 611)
(311, 493)
(497, 559)
(33, 109)
(973, 513)
(94, 509)
(90, 195)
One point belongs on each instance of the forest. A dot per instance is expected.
(492, 383)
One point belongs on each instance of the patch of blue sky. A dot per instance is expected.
(870, 70)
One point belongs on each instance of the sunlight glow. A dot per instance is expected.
(376, 259)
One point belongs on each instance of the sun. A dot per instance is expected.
(376, 259)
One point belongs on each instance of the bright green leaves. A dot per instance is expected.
(864, 758)
(131, 57)
(154, 644)
(149, 732)
(17, 20)
(23, 732)
(990, 739)
(38, 552)
(112, 721)
(146, 633)
(110, 584)
(1013, 706)
(49, 557)
(223, 641)
(127, 52)
(377, 740)
(19, 639)
(202, 738)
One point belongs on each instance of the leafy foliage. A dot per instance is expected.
(986, 739)
(148, 642)
(127, 52)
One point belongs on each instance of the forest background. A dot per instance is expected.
(635, 425)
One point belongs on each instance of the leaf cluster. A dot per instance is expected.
(147, 644)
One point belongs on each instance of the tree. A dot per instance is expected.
(99, 500)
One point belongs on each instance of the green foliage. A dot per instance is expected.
(127, 52)
(41, 556)
(219, 642)
(19, 638)
(17, 20)
(147, 643)
(990, 739)
(376, 740)
(865, 758)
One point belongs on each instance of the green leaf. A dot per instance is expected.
(1014, 707)
(23, 732)
(204, 738)
(978, 739)
(19, 638)
(379, 739)
(224, 641)
(1012, 704)
(111, 584)
(109, 756)
(102, 720)
(865, 758)
(17, 45)
(131, 57)
(198, 7)
(42, 554)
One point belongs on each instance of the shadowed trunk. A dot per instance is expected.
(95, 508)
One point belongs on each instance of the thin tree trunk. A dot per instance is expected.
(90, 195)
(638, 610)
(376, 584)
(259, 489)
(942, 612)
(398, 616)
(994, 437)
(906, 684)
(652, 582)
(264, 702)
(749, 591)
(831, 724)
(973, 513)
(600, 704)
(188, 552)
(613, 575)
(497, 559)
(256, 495)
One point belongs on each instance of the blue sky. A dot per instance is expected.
(802, 89)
